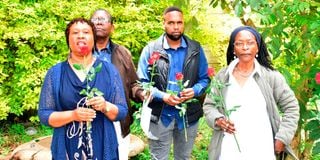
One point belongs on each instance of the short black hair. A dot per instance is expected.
(81, 20)
(171, 9)
(105, 11)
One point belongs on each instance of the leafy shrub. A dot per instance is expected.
(33, 40)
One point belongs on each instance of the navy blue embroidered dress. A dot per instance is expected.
(60, 92)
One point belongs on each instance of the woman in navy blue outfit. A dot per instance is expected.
(62, 106)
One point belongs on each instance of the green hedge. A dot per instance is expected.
(32, 40)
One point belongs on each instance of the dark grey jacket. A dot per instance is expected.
(190, 69)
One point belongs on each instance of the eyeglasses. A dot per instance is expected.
(241, 44)
(100, 19)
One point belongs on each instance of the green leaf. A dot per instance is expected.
(77, 66)
(208, 90)
(191, 100)
(98, 68)
(90, 95)
(92, 70)
(312, 125)
(95, 91)
(91, 76)
(83, 92)
(233, 109)
(316, 148)
(314, 134)
(186, 83)
(213, 3)
(239, 9)
(99, 93)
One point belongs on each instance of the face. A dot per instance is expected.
(80, 34)
(173, 25)
(245, 46)
(103, 25)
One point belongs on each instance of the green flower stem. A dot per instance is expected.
(151, 78)
(183, 111)
(87, 90)
(185, 129)
(89, 93)
(218, 84)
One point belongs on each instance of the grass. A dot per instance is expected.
(14, 134)
(199, 149)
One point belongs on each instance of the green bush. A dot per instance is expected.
(33, 40)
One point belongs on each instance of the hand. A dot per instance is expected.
(187, 94)
(84, 114)
(279, 146)
(225, 125)
(97, 103)
(171, 100)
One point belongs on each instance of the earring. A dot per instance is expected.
(257, 55)
(234, 55)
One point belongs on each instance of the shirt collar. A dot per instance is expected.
(232, 65)
(108, 48)
(183, 43)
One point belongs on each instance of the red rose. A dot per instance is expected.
(211, 72)
(318, 78)
(151, 61)
(179, 76)
(155, 55)
(84, 50)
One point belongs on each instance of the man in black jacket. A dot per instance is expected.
(179, 55)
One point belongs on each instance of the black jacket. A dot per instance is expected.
(190, 72)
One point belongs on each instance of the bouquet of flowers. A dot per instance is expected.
(218, 98)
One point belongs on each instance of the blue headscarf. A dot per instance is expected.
(263, 55)
(247, 28)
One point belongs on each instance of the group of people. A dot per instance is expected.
(97, 127)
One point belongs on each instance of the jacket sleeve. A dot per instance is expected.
(47, 103)
(289, 108)
(143, 74)
(203, 79)
(212, 112)
(132, 77)
(118, 96)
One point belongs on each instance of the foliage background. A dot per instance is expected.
(291, 29)
(32, 40)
